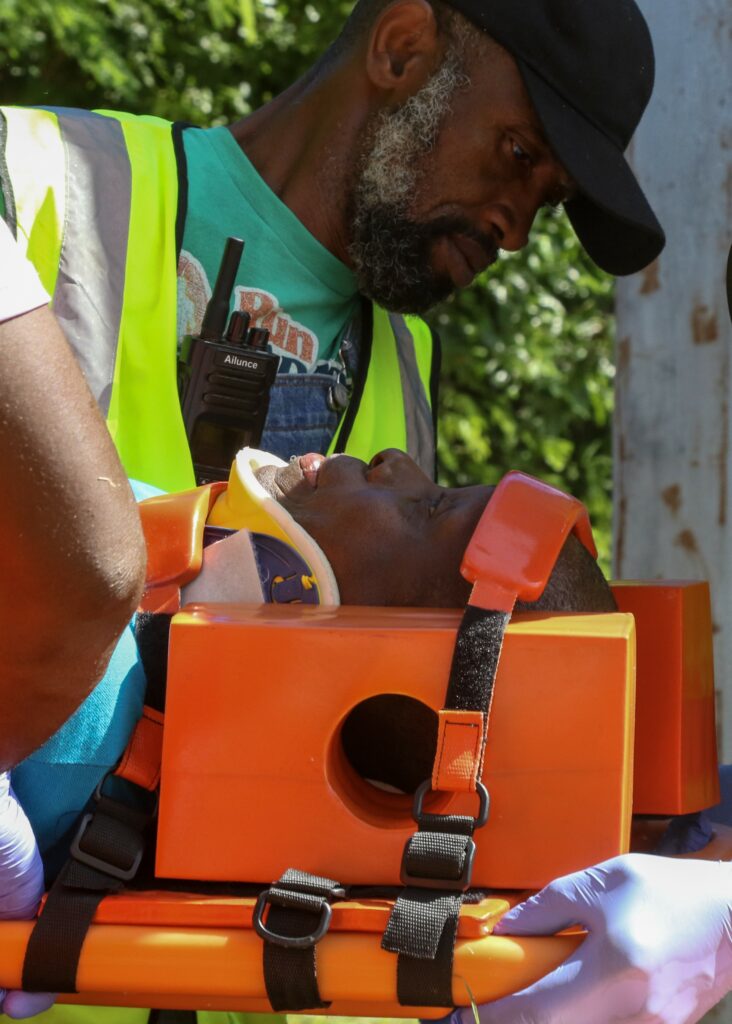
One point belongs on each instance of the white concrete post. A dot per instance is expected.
(673, 486)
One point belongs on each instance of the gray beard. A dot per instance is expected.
(391, 251)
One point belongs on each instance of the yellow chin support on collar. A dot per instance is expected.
(245, 504)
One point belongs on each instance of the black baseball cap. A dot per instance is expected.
(588, 67)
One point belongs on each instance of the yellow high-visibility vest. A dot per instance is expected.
(94, 198)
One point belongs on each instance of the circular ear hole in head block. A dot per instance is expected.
(390, 741)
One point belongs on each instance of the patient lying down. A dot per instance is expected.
(385, 534)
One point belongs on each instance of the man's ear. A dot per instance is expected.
(404, 49)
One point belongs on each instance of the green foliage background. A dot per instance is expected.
(528, 350)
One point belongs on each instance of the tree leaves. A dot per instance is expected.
(528, 373)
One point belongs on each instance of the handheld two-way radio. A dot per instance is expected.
(226, 377)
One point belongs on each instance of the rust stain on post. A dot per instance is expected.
(687, 541)
(704, 325)
(650, 279)
(623, 355)
(672, 497)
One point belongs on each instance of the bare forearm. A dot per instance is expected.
(74, 553)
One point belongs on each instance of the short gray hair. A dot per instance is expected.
(365, 13)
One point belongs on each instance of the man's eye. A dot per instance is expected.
(434, 506)
(521, 154)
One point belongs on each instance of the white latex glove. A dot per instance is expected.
(21, 888)
(659, 949)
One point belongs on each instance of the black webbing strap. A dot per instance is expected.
(424, 922)
(105, 854)
(438, 859)
(298, 918)
(475, 660)
(152, 637)
(172, 1017)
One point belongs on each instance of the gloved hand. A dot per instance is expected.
(21, 888)
(659, 948)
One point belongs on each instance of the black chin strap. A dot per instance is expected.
(438, 859)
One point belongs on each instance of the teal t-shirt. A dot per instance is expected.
(288, 282)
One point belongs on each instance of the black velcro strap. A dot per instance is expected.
(423, 929)
(475, 659)
(106, 853)
(172, 1017)
(290, 975)
(436, 855)
(152, 634)
(53, 951)
(438, 859)
(417, 922)
(456, 824)
(299, 909)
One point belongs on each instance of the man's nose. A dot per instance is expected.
(512, 216)
(510, 221)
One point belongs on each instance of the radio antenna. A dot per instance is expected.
(217, 310)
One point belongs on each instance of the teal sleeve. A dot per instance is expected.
(55, 783)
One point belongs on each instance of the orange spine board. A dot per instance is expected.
(132, 965)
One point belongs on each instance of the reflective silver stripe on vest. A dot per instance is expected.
(417, 411)
(91, 280)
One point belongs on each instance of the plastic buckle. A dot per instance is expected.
(123, 874)
(461, 883)
(291, 941)
(450, 884)
(152, 798)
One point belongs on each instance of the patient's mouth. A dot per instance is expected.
(310, 465)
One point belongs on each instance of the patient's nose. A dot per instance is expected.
(390, 464)
(385, 463)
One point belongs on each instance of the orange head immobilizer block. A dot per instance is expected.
(281, 683)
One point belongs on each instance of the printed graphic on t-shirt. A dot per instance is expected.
(295, 343)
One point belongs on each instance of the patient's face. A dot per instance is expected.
(391, 535)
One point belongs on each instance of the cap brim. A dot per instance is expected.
(610, 214)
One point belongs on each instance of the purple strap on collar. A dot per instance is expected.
(281, 569)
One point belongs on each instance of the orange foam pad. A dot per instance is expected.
(255, 780)
(518, 539)
(190, 952)
(675, 746)
(173, 527)
(141, 760)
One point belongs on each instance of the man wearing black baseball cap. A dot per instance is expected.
(588, 68)
(465, 116)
